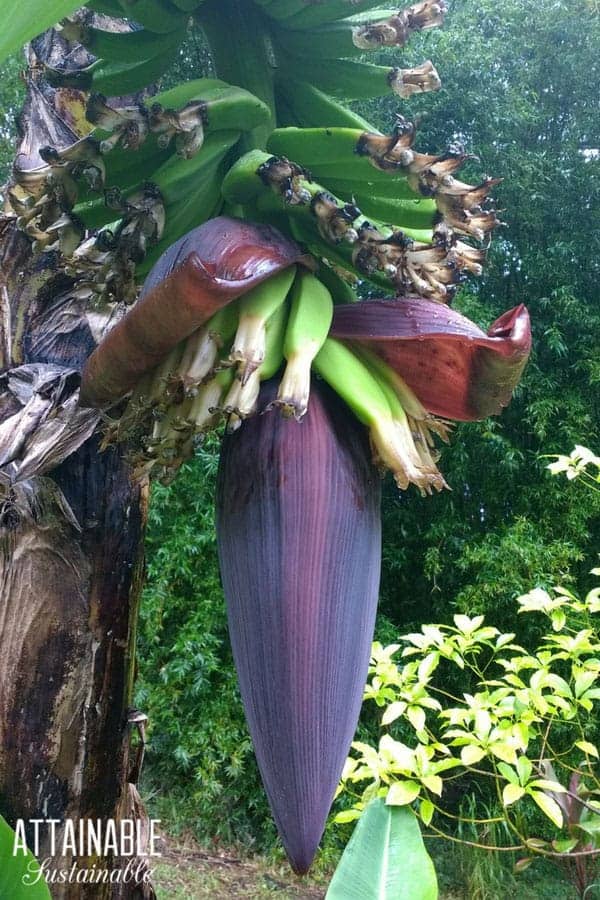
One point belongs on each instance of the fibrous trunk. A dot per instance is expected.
(71, 529)
(299, 540)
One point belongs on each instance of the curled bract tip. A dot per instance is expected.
(455, 369)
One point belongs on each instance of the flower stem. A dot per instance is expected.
(239, 40)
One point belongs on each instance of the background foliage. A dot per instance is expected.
(520, 91)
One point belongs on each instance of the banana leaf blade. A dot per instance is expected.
(25, 19)
(385, 859)
(16, 866)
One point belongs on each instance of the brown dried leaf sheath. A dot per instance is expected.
(203, 271)
(299, 538)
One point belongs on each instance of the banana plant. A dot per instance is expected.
(193, 257)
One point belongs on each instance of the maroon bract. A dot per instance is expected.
(299, 540)
(456, 370)
(203, 271)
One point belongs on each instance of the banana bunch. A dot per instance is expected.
(179, 140)
(410, 240)
(214, 378)
(281, 326)
(147, 174)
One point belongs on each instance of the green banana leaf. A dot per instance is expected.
(385, 859)
(25, 19)
(13, 868)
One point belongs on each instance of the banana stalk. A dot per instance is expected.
(298, 534)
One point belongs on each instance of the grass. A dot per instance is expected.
(187, 871)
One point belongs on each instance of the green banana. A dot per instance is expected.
(126, 168)
(242, 398)
(110, 8)
(198, 88)
(199, 358)
(417, 214)
(121, 46)
(303, 229)
(334, 41)
(256, 307)
(202, 348)
(187, 6)
(311, 312)
(177, 177)
(117, 79)
(310, 107)
(285, 114)
(155, 15)
(392, 189)
(334, 156)
(242, 183)
(339, 282)
(225, 106)
(204, 203)
(361, 33)
(304, 13)
(351, 80)
(350, 378)
(408, 410)
(314, 146)
(390, 381)
(276, 328)
(205, 412)
(377, 406)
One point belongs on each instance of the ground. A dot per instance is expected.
(188, 871)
